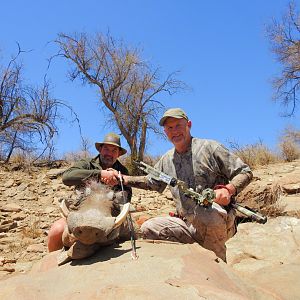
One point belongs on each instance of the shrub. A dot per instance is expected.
(72, 157)
(148, 159)
(254, 155)
(289, 150)
(289, 144)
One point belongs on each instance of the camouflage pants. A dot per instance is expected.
(210, 227)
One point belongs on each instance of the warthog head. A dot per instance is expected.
(94, 224)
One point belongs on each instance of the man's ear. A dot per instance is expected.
(189, 124)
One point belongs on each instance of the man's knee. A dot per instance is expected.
(147, 229)
(55, 235)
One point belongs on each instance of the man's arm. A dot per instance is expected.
(235, 170)
(144, 182)
(139, 182)
(80, 172)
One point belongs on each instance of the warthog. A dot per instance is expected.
(94, 224)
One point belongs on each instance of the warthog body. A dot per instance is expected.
(94, 224)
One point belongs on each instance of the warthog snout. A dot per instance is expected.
(94, 224)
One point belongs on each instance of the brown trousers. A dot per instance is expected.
(210, 227)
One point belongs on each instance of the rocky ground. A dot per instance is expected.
(29, 201)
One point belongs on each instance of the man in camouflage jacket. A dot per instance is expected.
(201, 164)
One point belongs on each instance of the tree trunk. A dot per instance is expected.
(142, 141)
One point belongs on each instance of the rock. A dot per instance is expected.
(54, 173)
(259, 255)
(49, 209)
(262, 251)
(7, 268)
(11, 207)
(7, 240)
(35, 248)
(290, 203)
(18, 216)
(8, 225)
(163, 271)
(22, 187)
(9, 193)
(9, 183)
(291, 188)
(23, 267)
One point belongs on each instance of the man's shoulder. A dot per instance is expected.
(83, 161)
(198, 143)
(169, 154)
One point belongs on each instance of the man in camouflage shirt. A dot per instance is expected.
(201, 164)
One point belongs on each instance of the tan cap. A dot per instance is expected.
(177, 113)
(111, 139)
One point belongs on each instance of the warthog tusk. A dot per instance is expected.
(122, 215)
(63, 209)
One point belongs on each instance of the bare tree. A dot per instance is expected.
(284, 36)
(128, 86)
(27, 113)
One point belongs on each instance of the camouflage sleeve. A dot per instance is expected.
(79, 172)
(155, 184)
(140, 182)
(237, 172)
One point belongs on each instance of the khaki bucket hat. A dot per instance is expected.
(177, 113)
(111, 139)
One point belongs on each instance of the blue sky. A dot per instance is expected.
(219, 47)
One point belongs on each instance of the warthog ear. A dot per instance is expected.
(63, 209)
(122, 215)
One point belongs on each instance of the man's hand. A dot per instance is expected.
(109, 177)
(223, 194)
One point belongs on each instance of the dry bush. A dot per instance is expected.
(290, 144)
(272, 206)
(32, 230)
(20, 158)
(72, 157)
(274, 211)
(289, 150)
(148, 159)
(254, 155)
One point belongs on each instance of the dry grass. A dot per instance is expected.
(148, 159)
(274, 210)
(32, 230)
(254, 155)
(72, 157)
(289, 149)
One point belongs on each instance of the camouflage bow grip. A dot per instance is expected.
(207, 196)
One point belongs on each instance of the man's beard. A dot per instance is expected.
(107, 161)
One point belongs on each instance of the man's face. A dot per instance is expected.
(178, 131)
(109, 154)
